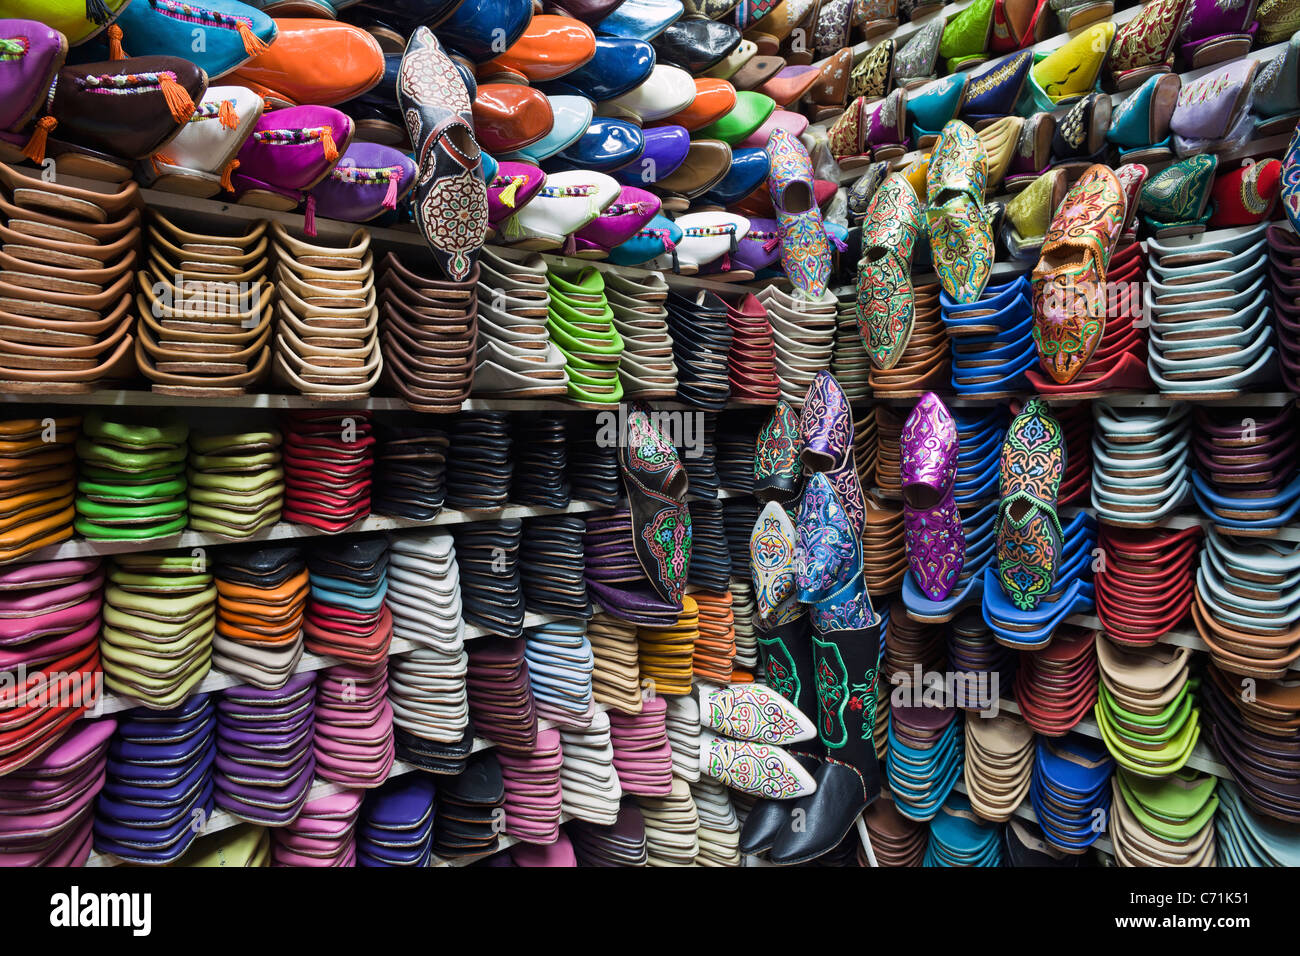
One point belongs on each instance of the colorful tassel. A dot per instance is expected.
(97, 12)
(35, 148)
(253, 44)
(178, 100)
(226, 113)
(115, 51)
(390, 197)
(327, 140)
(309, 217)
(227, 183)
(511, 192)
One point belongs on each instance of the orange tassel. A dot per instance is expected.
(253, 44)
(178, 100)
(327, 140)
(161, 159)
(115, 51)
(226, 182)
(35, 148)
(229, 118)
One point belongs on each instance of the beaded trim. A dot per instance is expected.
(192, 14)
(556, 192)
(120, 83)
(366, 177)
(206, 111)
(727, 230)
(624, 209)
(291, 137)
(14, 48)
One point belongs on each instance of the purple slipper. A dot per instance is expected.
(936, 547)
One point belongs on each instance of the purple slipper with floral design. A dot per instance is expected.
(936, 548)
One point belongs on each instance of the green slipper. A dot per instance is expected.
(750, 112)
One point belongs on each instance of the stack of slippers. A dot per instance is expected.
(960, 837)
(69, 259)
(616, 675)
(548, 856)
(261, 603)
(1057, 686)
(589, 786)
(710, 566)
(353, 741)
(49, 653)
(926, 361)
(719, 833)
(480, 462)
(158, 782)
(884, 561)
(1245, 838)
(541, 458)
(1071, 790)
(972, 650)
(1164, 822)
(1144, 588)
(621, 843)
(866, 447)
(532, 784)
(410, 472)
(159, 621)
(396, 824)
(347, 617)
(889, 432)
(467, 818)
(1211, 335)
(1257, 738)
(896, 840)
(245, 845)
(647, 368)
(926, 753)
(426, 689)
(1076, 431)
(1140, 472)
(593, 470)
(980, 436)
(1246, 606)
(1246, 479)
(429, 333)
(236, 483)
(849, 361)
(265, 764)
(36, 491)
(581, 325)
(992, 341)
(50, 803)
(1284, 267)
(324, 834)
(491, 587)
(560, 665)
(1120, 360)
(912, 647)
(501, 703)
(702, 337)
(715, 648)
(515, 357)
(615, 579)
(672, 825)
(327, 324)
(666, 654)
(552, 570)
(744, 609)
(1026, 846)
(751, 360)
(1071, 592)
(803, 332)
(643, 757)
(424, 590)
(684, 736)
(131, 479)
(205, 311)
(999, 764)
(328, 461)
